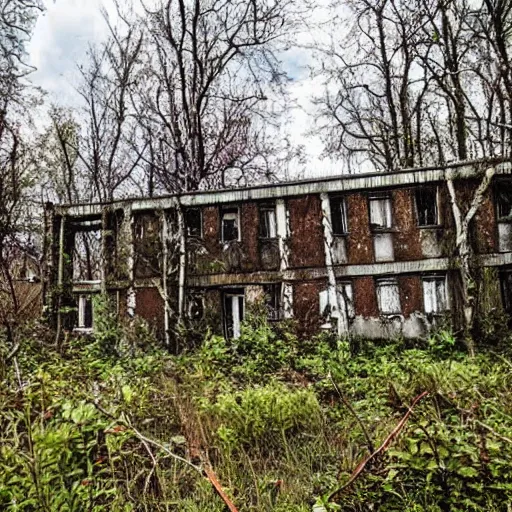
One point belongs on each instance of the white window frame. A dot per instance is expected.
(386, 210)
(434, 282)
(235, 312)
(436, 206)
(390, 283)
(82, 304)
(230, 215)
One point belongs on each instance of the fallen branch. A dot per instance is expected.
(382, 448)
(213, 479)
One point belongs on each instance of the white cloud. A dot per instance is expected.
(59, 43)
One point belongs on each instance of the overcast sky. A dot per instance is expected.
(63, 33)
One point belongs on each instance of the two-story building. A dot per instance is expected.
(368, 254)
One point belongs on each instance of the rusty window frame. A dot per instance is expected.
(194, 222)
(339, 215)
(427, 208)
(230, 211)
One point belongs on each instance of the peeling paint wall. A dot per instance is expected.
(407, 238)
(306, 305)
(365, 297)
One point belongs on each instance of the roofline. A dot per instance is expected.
(339, 183)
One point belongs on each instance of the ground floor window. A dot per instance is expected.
(234, 310)
(506, 290)
(388, 296)
(434, 294)
(85, 312)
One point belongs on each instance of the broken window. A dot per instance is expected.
(388, 296)
(193, 222)
(380, 211)
(85, 317)
(230, 224)
(87, 256)
(504, 200)
(346, 298)
(195, 306)
(268, 226)
(338, 216)
(434, 294)
(147, 244)
(273, 300)
(426, 206)
(234, 307)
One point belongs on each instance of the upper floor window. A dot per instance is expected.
(434, 294)
(230, 224)
(338, 216)
(380, 211)
(504, 200)
(426, 206)
(193, 222)
(388, 296)
(268, 225)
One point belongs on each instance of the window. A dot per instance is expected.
(388, 297)
(85, 312)
(193, 222)
(426, 206)
(434, 294)
(504, 200)
(273, 300)
(380, 211)
(195, 306)
(234, 302)
(230, 224)
(506, 290)
(344, 299)
(338, 216)
(268, 227)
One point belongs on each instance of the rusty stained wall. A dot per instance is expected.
(306, 305)
(306, 232)
(483, 228)
(365, 298)
(406, 239)
(150, 307)
(360, 241)
(411, 294)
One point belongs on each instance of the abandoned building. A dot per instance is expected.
(369, 254)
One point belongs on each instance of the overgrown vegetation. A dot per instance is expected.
(115, 423)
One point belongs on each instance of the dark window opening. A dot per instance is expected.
(193, 222)
(195, 308)
(273, 300)
(230, 224)
(426, 206)
(147, 245)
(506, 290)
(268, 225)
(338, 216)
(233, 313)
(85, 315)
(504, 200)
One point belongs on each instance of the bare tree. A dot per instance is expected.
(211, 73)
(16, 21)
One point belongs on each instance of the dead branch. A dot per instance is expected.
(382, 448)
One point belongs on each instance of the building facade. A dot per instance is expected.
(370, 254)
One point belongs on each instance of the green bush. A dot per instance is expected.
(263, 415)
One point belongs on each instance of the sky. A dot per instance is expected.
(67, 28)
